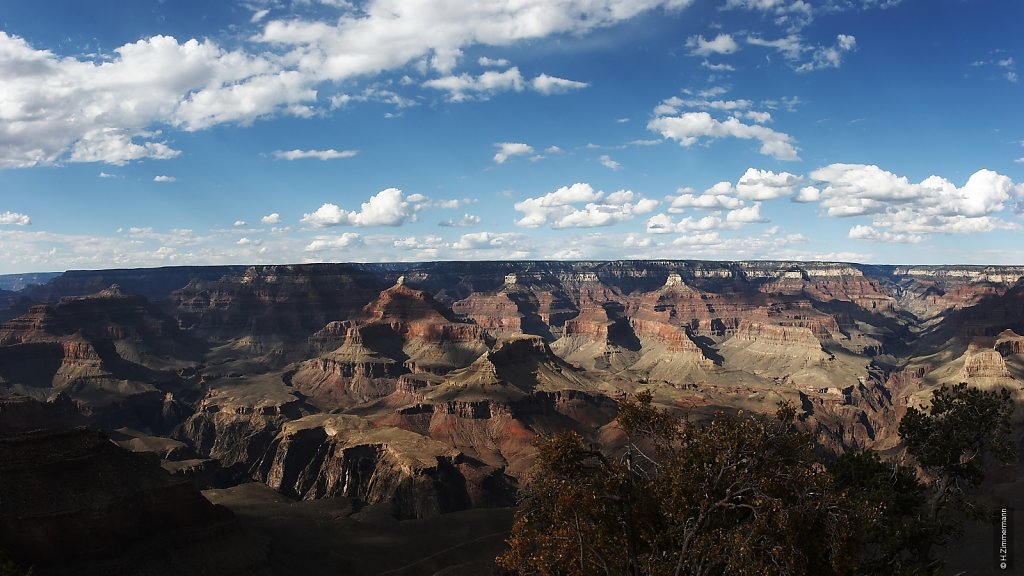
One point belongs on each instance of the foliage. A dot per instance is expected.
(743, 494)
(963, 430)
(739, 495)
(898, 534)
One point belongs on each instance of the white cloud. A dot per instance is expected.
(63, 108)
(721, 44)
(702, 239)
(244, 241)
(663, 224)
(790, 46)
(239, 223)
(465, 86)
(933, 206)
(717, 197)
(759, 117)
(861, 232)
(118, 148)
(551, 85)
(329, 154)
(808, 194)
(259, 15)
(607, 162)
(426, 245)
(493, 62)
(274, 218)
(558, 209)
(106, 175)
(507, 150)
(688, 128)
(386, 35)
(386, 208)
(831, 56)
(794, 14)
(485, 240)
(163, 178)
(765, 185)
(467, 221)
(102, 108)
(746, 215)
(346, 240)
(444, 60)
(718, 67)
(15, 218)
(1007, 66)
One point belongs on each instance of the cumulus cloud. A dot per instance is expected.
(507, 150)
(901, 209)
(329, 154)
(559, 209)
(688, 128)
(664, 224)
(346, 240)
(807, 194)
(66, 109)
(386, 35)
(861, 232)
(465, 86)
(274, 218)
(746, 215)
(386, 208)
(765, 185)
(15, 218)
(103, 108)
(719, 196)
(163, 178)
(721, 44)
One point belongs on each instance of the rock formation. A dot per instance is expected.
(422, 385)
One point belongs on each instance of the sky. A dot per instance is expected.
(140, 133)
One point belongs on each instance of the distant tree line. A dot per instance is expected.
(744, 494)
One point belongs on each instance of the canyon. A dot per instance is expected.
(411, 393)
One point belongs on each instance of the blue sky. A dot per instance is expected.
(148, 133)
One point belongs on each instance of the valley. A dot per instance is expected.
(408, 394)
